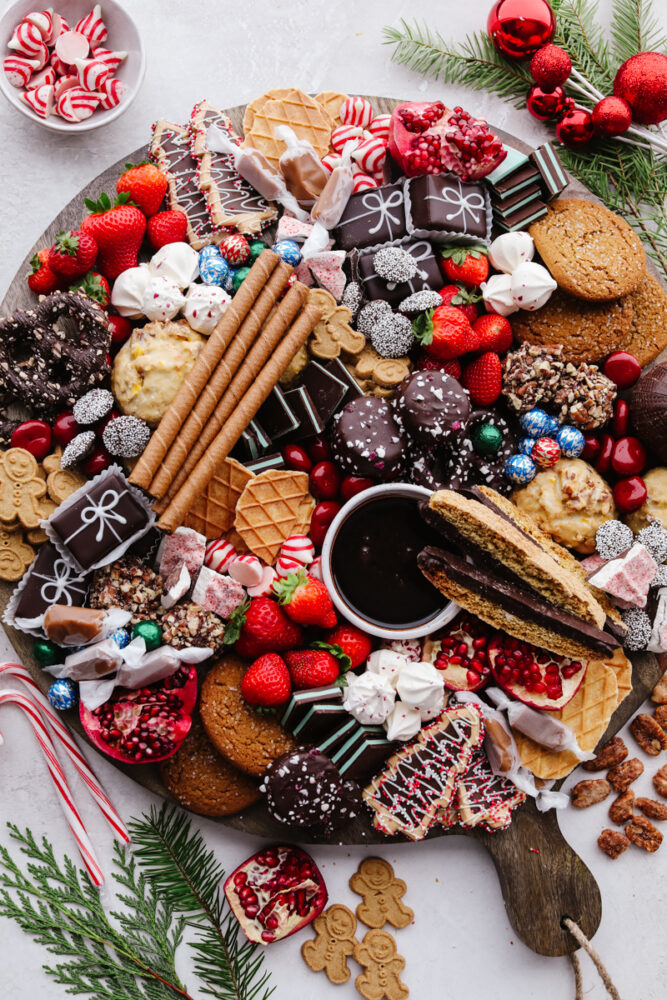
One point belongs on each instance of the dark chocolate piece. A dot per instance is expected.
(324, 387)
(254, 441)
(276, 415)
(49, 580)
(303, 788)
(517, 180)
(273, 461)
(552, 176)
(429, 275)
(367, 440)
(648, 406)
(310, 421)
(431, 406)
(372, 218)
(318, 721)
(447, 209)
(522, 217)
(513, 161)
(340, 735)
(501, 206)
(301, 701)
(354, 390)
(364, 753)
(459, 465)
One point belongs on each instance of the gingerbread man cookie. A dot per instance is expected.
(382, 892)
(378, 956)
(333, 335)
(15, 555)
(21, 489)
(335, 941)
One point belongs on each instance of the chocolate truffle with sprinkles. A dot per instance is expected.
(394, 264)
(366, 440)
(94, 406)
(303, 788)
(126, 437)
(392, 336)
(654, 538)
(431, 406)
(352, 297)
(419, 302)
(639, 629)
(371, 314)
(78, 449)
(613, 538)
(660, 578)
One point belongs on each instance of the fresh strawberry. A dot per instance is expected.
(267, 682)
(261, 626)
(444, 333)
(483, 378)
(312, 668)
(452, 368)
(119, 231)
(306, 600)
(494, 331)
(72, 254)
(167, 227)
(463, 298)
(42, 280)
(95, 285)
(121, 328)
(146, 186)
(467, 264)
(353, 642)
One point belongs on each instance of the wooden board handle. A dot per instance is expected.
(542, 880)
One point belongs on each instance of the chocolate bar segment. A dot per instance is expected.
(49, 580)
(301, 702)
(552, 176)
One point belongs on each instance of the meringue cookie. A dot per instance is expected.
(420, 686)
(162, 299)
(497, 294)
(386, 663)
(176, 261)
(369, 698)
(410, 648)
(511, 249)
(128, 291)
(532, 286)
(403, 723)
(204, 305)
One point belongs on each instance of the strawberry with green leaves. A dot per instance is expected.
(469, 265)
(483, 379)
(463, 298)
(354, 643)
(73, 253)
(317, 667)
(118, 230)
(267, 683)
(95, 286)
(444, 333)
(145, 185)
(261, 626)
(306, 600)
(42, 280)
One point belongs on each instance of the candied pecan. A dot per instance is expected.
(652, 809)
(620, 811)
(612, 753)
(660, 716)
(659, 693)
(587, 793)
(642, 833)
(660, 781)
(613, 843)
(649, 734)
(622, 776)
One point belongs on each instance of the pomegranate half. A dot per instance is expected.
(533, 675)
(275, 893)
(460, 653)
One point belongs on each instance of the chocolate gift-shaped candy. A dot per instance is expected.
(428, 275)
(372, 218)
(50, 580)
(445, 209)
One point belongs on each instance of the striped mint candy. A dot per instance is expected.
(380, 126)
(110, 58)
(344, 134)
(246, 570)
(45, 77)
(111, 92)
(92, 26)
(40, 100)
(26, 40)
(329, 161)
(265, 586)
(356, 111)
(370, 154)
(64, 83)
(315, 568)
(18, 70)
(77, 104)
(59, 27)
(43, 21)
(61, 68)
(42, 56)
(362, 181)
(219, 554)
(298, 547)
(92, 73)
(285, 566)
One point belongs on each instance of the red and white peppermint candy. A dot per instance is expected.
(40, 100)
(64, 83)
(362, 181)
(285, 566)
(59, 27)
(265, 586)
(19, 70)
(44, 78)
(92, 73)
(219, 554)
(92, 26)
(315, 568)
(344, 134)
(246, 570)
(70, 46)
(380, 126)
(61, 68)
(77, 104)
(42, 57)
(43, 21)
(298, 547)
(111, 92)
(26, 40)
(109, 58)
(330, 161)
(356, 111)
(235, 249)
(370, 154)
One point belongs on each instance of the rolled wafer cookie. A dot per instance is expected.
(239, 419)
(181, 460)
(203, 368)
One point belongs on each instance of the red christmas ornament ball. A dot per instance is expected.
(575, 129)
(550, 66)
(519, 28)
(544, 104)
(642, 82)
(611, 116)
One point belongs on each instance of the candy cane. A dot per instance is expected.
(60, 781)
(70, 747)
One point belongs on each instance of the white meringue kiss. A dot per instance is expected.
(162, 300)
(128, 291)
(497, 294)
(511, 249)
(386, 663)
(176, 261)
(403, 723)
(420, 686)
(532, 286)
(369, 698)
(204, 305)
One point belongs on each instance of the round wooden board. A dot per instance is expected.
(537, 893)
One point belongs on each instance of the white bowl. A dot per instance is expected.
(123, 36)
(449, 610)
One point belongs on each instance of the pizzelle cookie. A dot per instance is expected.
(331, 101)
(273, 506)
(591, 252)
(303, 114)
(647, 335)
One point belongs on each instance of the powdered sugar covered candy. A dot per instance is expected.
(26, 40)
(265, 586)
(19, 69)
(330, 161)
(362, 181)
(92, 73)
(216, 593)
(162, 298)
(219, 554)
(111, 93)
(176, 586)
(356, 111)
(45, 78)
(315, 568)
(70, 46)
(77, 104)
(40, 100)
(369, 698)
(285, 565)
(92, 27)
(386, 663)
(403, 723)
(246, 570)
(421, 686)
(298, 547)
(344, 134)
(379, 126)
(110, 58)
(186, 546)
(370, 154)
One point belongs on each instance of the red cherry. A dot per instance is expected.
(121, 328)
(99, 430)
(352, 485)
(591, 448)
(33, 436)
(603, 463)
(622, 368)
(322, 517)
(630, 494)
(324, 481)
(628, 457)
(621, 420)
(98, 460)
(65, 428)
(318, 449)
(296, 458)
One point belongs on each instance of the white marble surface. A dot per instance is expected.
(461, 943)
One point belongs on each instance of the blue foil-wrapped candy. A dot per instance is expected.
(534, 423)
(526, 446)
(289, 251)
(121, 637)
(63, 694)
(520, 469)
(214, 271)
(229, 283)
(571, 441)
(552, 427)
(210, 250)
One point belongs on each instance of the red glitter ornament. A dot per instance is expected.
(611, 116)
(575, 129)
(642, 82)
(519, 28)
(550, 66)
(544, 105)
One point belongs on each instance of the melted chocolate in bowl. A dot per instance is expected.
(374, 563)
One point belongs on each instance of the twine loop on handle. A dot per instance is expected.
(581, 939)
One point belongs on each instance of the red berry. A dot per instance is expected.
(484, 379)
(603, 463)
(354, 643)
(445, 333)
(99, 430)
(318, 449)
(494, 333)
(65, 428)
(296, 457)
(452, 367)
(121, 328)
(267, 682)
(351, 485)
(42, 280)
(98, 460)
(591, 448)
(621, 420)
(622, 368)
(628, 457)
(470, 265)
(462, 298)
(630, 494)
(33, 436)
(323, 515)
(167, 227)
(324, 481)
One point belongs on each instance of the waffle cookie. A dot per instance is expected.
(303, 114)
(273, 506)
(213, 513)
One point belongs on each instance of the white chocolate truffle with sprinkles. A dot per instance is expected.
(639, 629)
(126, 437)
(395, 265)
(654, 538)
(392, 336)
(94, 406)
(370, 315)
(612, 539)
(303, 788)
(431, 406)
(78, 449)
